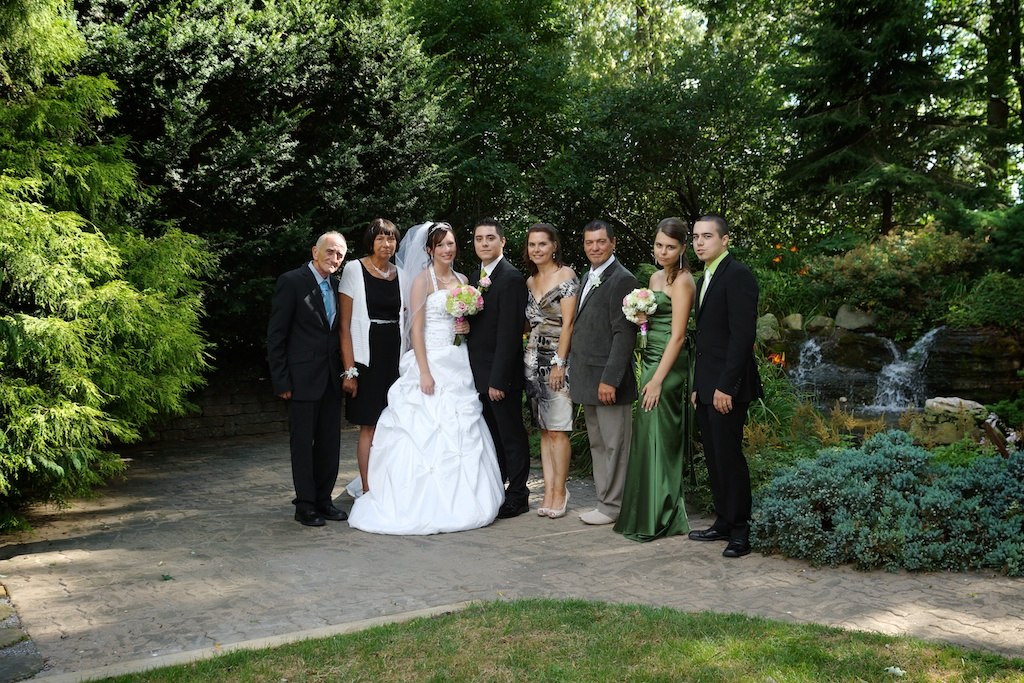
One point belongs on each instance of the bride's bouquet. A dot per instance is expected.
(463, 300)
(636, 306)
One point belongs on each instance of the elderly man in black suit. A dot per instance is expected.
(725, 379)
(601, 374)
(303, 353)
(495, 346)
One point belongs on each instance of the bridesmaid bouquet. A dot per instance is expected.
(463, 300)
(636, 306)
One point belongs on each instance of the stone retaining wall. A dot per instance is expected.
(234, 402)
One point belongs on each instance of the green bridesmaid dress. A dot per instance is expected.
(652, 502)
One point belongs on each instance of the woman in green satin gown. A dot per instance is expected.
(652, 502)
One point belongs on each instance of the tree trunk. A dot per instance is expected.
(1004, 30)
(887, 205)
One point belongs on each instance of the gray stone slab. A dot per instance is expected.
(9, 635)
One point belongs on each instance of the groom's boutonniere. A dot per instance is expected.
(485, 281)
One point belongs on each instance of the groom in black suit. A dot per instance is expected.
(305, 363)
(495, 344)
(725, 379)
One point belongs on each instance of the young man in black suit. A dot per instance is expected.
(495, 344)
(725, 379)
(305, 363)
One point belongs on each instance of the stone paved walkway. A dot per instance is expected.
(197, 549)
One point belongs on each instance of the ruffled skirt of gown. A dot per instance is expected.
(433, 466)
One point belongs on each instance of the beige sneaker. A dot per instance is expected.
(595, 517)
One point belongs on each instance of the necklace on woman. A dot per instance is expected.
(444, 280)
(386, 274)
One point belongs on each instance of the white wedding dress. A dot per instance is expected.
(433, 466)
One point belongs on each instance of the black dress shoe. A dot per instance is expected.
(711, 534)
(332, 513)
(736, 549)
(512, 510)
(309, 518)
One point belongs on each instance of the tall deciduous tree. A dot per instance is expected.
(508, 65)
(262, 124)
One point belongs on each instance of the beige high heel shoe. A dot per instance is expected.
(554, 513)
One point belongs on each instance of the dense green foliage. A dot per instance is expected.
(261, 125)
(865, 76)
(257, 125)
(1011, 411)
(890, 504)
(906, 278)
(994, 300)
(99, 326)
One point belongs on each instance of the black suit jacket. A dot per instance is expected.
(303, 350)
(495, 338)
(726, 331)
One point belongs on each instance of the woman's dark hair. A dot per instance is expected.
(379, 226)
(436, 233)
(678, 229)
(552, 234)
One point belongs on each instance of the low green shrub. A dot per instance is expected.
(962, 453)
(1010, 411)
(906, 278)
(890, 504)
(995, 300)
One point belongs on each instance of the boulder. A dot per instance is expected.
(820, 324)
(865, 352)
(850, 318)
(948, 420)
(955, 406)
(793, 321)
(768, 329)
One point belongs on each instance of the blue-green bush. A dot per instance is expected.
(890, 504)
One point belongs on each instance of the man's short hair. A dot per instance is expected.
(331, 233)
(720, 223)
(499, 228)
(594, 226)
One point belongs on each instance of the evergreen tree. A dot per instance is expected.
(99, 326)
(865, 84)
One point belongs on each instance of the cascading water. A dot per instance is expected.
(900, 383)
(807, 364)
(896, 385)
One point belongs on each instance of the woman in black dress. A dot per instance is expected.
(371, 334)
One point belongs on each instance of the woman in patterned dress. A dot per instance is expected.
(550, 307)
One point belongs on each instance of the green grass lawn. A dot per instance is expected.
(551, 640)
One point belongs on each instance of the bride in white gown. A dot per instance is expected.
(432, 465)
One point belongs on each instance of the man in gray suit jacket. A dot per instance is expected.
(601, 375)
(303, 350)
